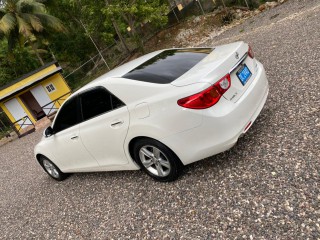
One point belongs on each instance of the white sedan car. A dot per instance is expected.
(159, 112)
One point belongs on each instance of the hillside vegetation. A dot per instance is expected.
(88, 38)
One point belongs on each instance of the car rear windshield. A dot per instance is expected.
(168, 65)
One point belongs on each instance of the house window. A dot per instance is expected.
(50, 88)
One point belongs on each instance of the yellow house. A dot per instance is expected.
(34, 96)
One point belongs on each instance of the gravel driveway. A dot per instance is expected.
(266, 187)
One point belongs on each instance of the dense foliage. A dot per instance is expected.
(67, 30)
(34, 32)
(26, 23)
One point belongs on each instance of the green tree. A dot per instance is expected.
(96, 22)
(11, 69)
(117, 29)
(132, 14)
(26, 22)
(75, 47)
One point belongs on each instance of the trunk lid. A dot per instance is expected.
(231, 58)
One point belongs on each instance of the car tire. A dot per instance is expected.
(157, 160)
(51, 169)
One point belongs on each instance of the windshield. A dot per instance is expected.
(168, 65)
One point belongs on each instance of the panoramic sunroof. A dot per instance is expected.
(168, 65)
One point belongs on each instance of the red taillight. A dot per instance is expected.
(250, 52)
(207, 97)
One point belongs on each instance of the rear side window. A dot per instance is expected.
(116, 102)
(98, 101)
(68, 116)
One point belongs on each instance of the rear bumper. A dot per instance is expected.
(222, 124)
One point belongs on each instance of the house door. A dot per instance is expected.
(33, 106)
(17, 111)
(43, 99)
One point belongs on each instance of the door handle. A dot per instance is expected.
(118, 122)
(74, 137)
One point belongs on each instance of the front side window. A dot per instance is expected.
(98, 101)
(68, 116)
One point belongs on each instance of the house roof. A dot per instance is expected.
(28, 80)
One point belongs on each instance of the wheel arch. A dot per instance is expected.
(135, 139)
(38, 156)
(131, 144)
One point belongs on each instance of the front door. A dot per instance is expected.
(18, 112)
(43, 99)
(70, 153)
(67, 146)
(33, 106)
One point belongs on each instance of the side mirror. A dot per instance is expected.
(48, 132)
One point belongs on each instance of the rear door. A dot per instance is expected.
(104, 127)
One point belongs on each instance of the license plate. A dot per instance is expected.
(244, 74)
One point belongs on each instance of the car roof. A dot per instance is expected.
(148, 67)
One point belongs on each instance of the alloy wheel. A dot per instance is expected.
(155, 161)
(51, 169)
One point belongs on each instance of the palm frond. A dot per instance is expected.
(33, 21)
(7, 23)
(51, 22)
(32, 38)
(30, 6)
(41, 50)
(2, 12)
(24, 28)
